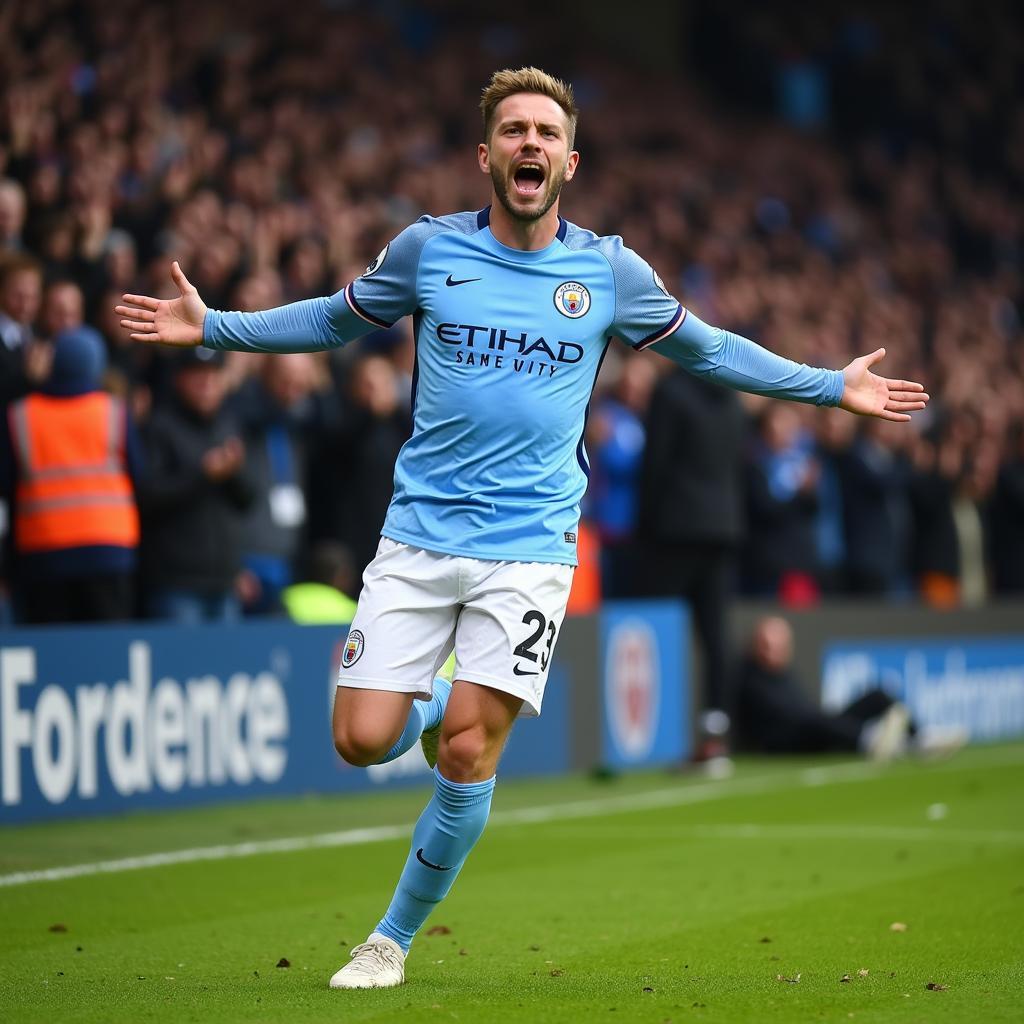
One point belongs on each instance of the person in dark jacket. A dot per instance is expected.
(280, 413)
(691, 516)
(934, 544)
(1007, 519)
(196, 491)
(68, 459)
(775, 715)
(783, 475)
(876, 511)
(352, 471)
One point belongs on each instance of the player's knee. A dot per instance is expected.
(464, 756)
(358, 747)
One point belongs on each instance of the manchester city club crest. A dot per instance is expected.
(572, 299)
(353, 649)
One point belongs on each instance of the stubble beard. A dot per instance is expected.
(503, 188)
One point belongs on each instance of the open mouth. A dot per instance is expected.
(528, 178)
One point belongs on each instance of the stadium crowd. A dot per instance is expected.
(877, 203)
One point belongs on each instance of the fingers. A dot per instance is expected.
(156, 339)
(134, 313)
(139, 326)
(145, 301)
(904, 385)
(905, 406)
(179, 278)
(875, 357)
(895, 417)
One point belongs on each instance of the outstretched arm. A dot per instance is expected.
(744, 365)
(308, 326)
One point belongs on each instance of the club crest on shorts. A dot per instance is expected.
(353, 649)
(572, 299)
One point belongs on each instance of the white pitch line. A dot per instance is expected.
(625, 803)
(852, 771)
(873, 833)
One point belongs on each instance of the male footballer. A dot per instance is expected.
(513, 309)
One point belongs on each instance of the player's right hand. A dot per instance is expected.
(165, 321)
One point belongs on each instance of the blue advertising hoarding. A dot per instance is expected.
(102, 719)
(974, 682)
(645, 661)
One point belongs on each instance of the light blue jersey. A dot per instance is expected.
(508, 347)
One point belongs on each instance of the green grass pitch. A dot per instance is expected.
(770, 896)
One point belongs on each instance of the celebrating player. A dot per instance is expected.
(513, 309)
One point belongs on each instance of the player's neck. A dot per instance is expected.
(530, 236)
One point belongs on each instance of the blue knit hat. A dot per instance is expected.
(79, 359)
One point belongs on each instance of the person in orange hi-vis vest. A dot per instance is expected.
(67, 465)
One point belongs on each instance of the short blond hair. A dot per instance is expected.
(508, 82)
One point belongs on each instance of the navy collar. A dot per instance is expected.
(483, 220)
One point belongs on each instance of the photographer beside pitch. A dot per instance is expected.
(513, 309)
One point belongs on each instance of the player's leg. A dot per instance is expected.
(367, 724)
(476, 724)
(475, 729)
(506, 633)
(402, 632)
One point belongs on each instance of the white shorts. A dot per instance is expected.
(501, 618)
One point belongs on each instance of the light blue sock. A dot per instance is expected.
(447, 830)
(424, 714)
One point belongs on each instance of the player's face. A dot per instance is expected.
(528, 155)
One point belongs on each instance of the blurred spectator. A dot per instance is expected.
(615, 443)
(934, 544)
(1008, 520)
(279, 415)
(197, 490)
(970, 512)
(12, 216)
(63, 308)
(352, 473)
(24, 361)
(325, 596)
(776, 715)
(876, 511)
(835, 431)
(780, 557)
(691, 519)
(67, 464)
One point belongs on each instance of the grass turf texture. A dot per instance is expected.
(688, 908)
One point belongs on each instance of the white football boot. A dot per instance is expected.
(888, 739)
(376, 963)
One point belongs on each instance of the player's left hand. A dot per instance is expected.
(867, 394)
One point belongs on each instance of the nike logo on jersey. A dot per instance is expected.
(452, 283)
(423, 860)
(520, 672)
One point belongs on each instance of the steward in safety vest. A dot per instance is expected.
(74, 521)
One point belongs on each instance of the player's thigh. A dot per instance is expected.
(368, 722)
(509, 627)
(404, 625)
